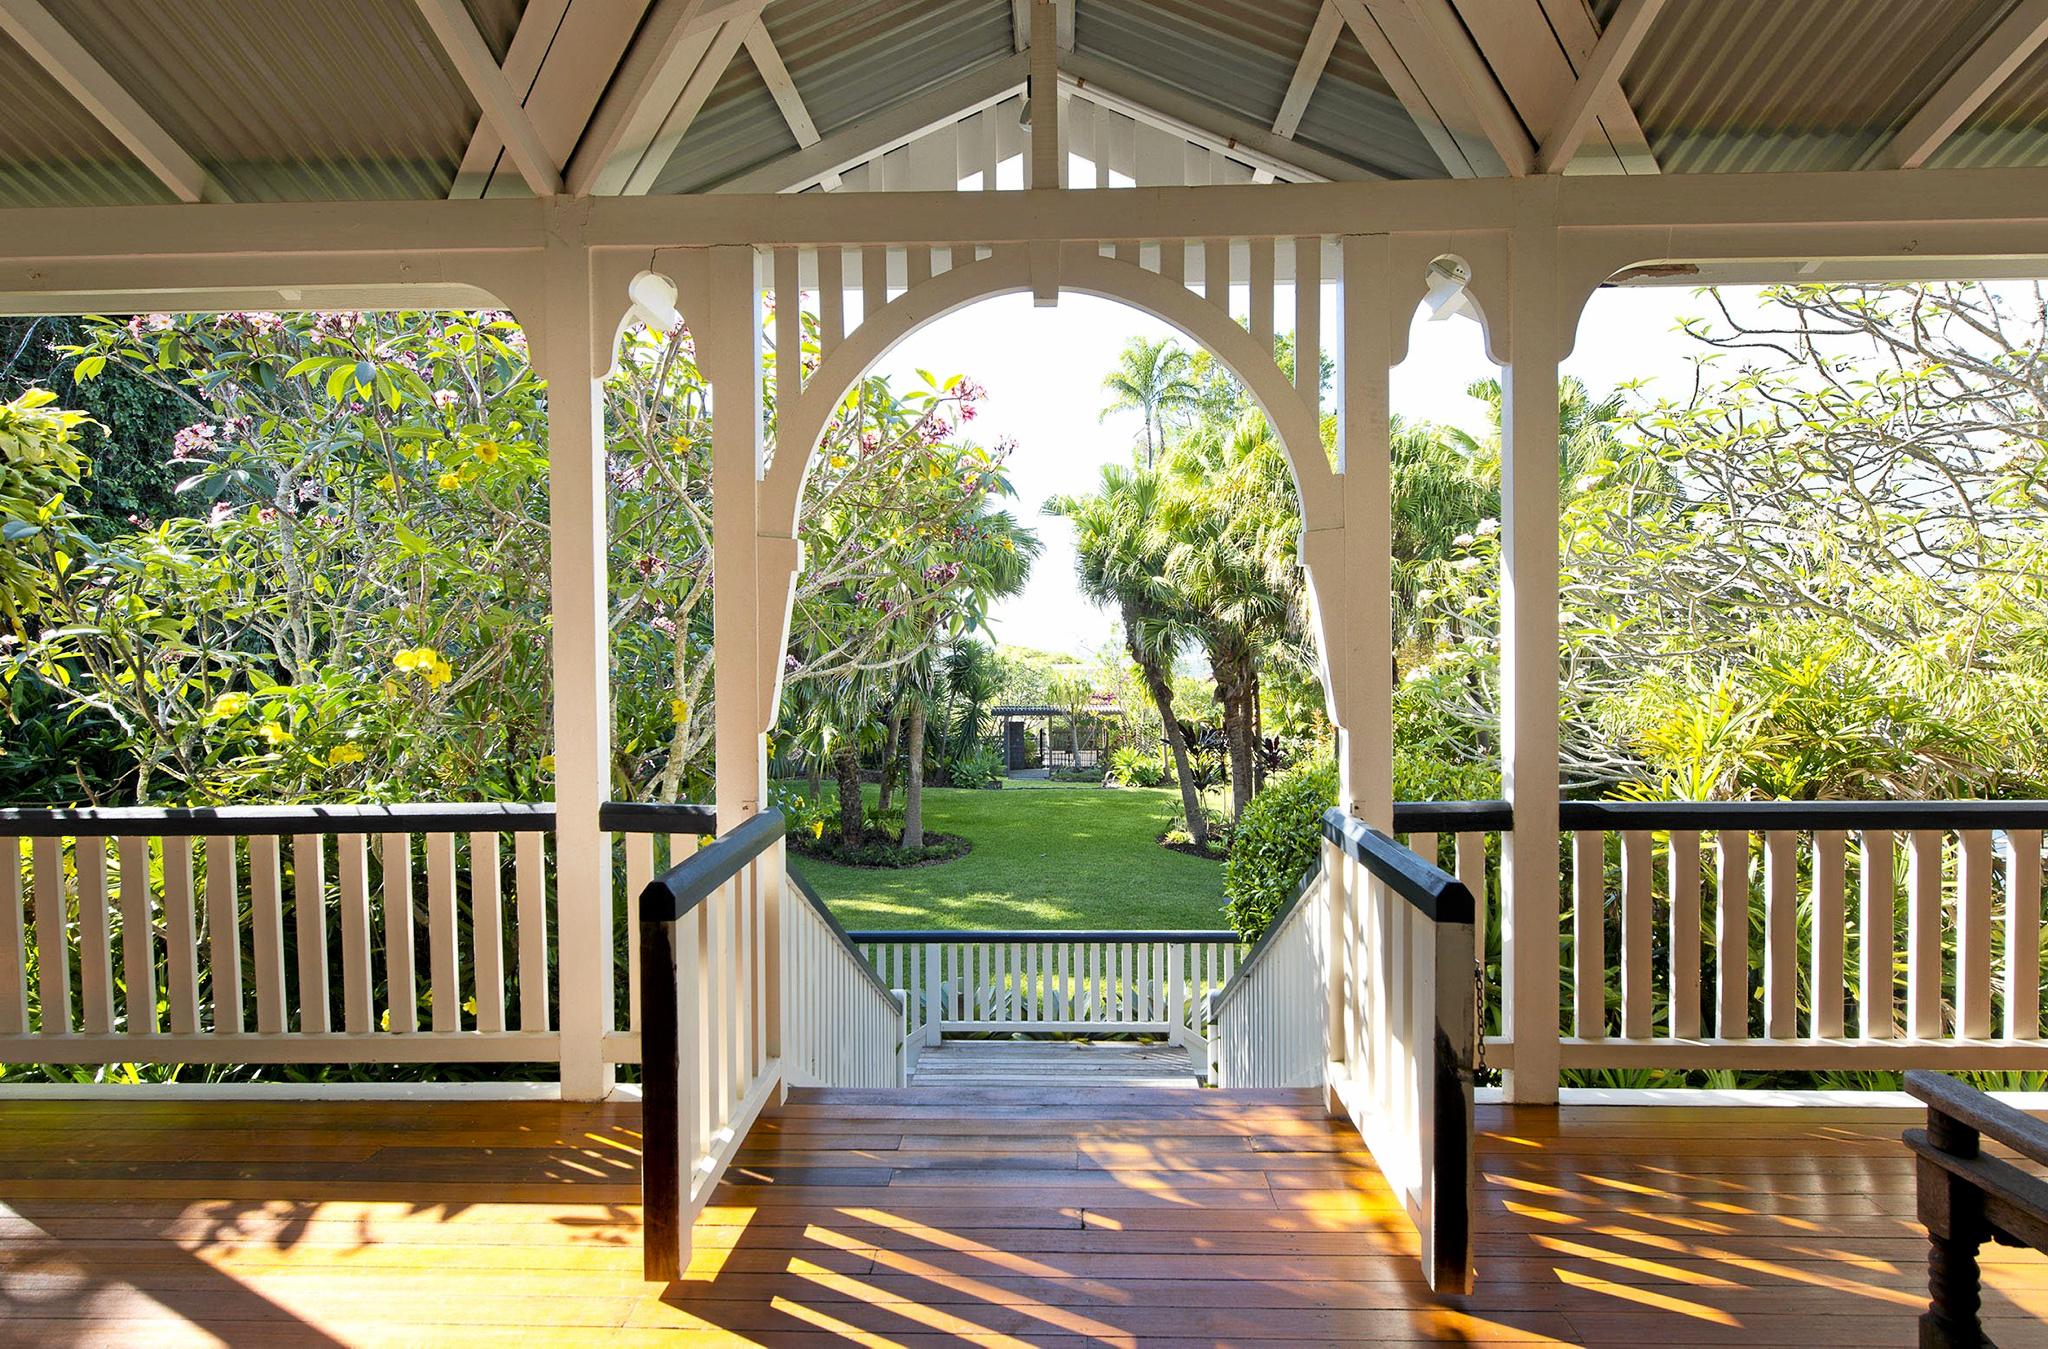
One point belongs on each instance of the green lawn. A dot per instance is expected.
(1051, 857)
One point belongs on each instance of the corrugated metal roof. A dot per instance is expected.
(1751, 86)
(853, 59)
(54, 153)
(1354, 114)
(2010, 130)
(847, 61)
(337, 100)
(739, 127)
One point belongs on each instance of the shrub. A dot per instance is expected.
(1275, 844)
(1133, 767)
(982, 768)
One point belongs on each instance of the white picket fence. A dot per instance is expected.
(175, 923)
(1084, 983)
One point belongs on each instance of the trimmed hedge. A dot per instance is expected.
(1275, 844)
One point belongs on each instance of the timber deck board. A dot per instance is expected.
(941, 1215)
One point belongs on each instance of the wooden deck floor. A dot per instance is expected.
(1128, 1215)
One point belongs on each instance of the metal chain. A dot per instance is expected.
(1478, 1019)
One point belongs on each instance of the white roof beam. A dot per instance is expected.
(1047, 163)
(1600, 76)
(725, 44)
(647, 88)
(1427, 58)
(878, 132)
(1308, 71)
(1961, 94)
(768, 61)
(457, 33)
(561, 59)
(50, 45)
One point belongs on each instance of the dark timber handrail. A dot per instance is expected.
(656, 817)
(676, 892)
(1967, 1198)
(1847, 815)
(432, 817)
(1453, 817)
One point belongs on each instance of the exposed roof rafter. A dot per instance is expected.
(768, 61)
(50, 45)
(865, 137)
(1202, 123)
(1976, 79)
(1600, 76)
(560, 60)
(1308, 71)
(1452, 132)
(457, 33)
(642, 104)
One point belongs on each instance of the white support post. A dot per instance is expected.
(571, 350)
(1528, 731)
(729, 351)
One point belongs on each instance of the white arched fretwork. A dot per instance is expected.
(1164, 291)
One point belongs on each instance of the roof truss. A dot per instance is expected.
(50, 45)
(502, 105)
(1975, 80)
(1599, 83)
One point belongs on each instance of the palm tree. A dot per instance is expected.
(1152, 378)
(1122, 566)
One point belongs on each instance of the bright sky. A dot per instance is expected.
(1043, 369)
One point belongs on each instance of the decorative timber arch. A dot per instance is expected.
(1292, 404)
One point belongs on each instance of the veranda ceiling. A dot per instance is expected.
(121, 102)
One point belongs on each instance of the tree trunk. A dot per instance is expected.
(814, 768)
(1157, 684)
(913, 790)
(1074, 736)
(895, 736)
(1235, 690)
(846, 763)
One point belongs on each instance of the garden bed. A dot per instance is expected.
(881, 853)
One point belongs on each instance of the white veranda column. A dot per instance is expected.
(1529, 655)
(728, 337)
(571, 348)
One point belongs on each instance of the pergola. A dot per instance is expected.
(878, 164)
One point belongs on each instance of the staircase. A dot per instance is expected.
(1060, 1064)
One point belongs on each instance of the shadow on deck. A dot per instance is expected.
(1112, 1214)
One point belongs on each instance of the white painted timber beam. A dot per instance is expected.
(560, 60)
(1573, 28)
(1600, 76)
(1424, 53)
(878, 132)
(1981, 73)
(1047, 163)
(1308, 71)
(768, 61)
(457, 33)
(50, 45)
(1202, 123)
(650, 88)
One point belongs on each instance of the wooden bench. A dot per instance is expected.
(1967, 1198)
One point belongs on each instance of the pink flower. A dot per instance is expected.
(220, 515)
(446, 398)
(194, 442)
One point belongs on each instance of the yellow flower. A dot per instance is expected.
(344, 754)
(276, 734)
(417, 659)
(679, 710)
(448, 481)
(487, 450)
(547, 763)
(817, 829)
(439, 674)
(228, 705)
(386, 483)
